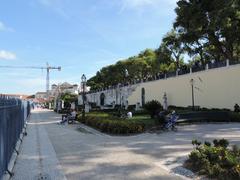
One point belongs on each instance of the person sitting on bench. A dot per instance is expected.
(72, 116)
(64, 119)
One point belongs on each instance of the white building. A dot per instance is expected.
(57, 90)
(110, 97)
(41, 95)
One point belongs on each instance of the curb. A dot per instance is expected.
(94, 131)
(9, 173)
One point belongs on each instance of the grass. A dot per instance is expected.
(111, 124)
(145, 119)
(98, 114)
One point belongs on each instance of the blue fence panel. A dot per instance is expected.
(13, 114)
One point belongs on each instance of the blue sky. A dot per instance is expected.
(80, 35)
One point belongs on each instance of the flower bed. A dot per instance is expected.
(215, 160)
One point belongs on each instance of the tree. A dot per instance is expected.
(140, 66)
(216, 24)
(68, 99)
(173, 43)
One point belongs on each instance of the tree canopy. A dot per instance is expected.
(205, 30)
(68, 98)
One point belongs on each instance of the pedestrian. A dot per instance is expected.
(129, 114)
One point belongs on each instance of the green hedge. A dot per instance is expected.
(113, 126)
(234, 117)
(216, 161)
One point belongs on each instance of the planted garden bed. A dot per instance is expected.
(215, 160)
(110, 124)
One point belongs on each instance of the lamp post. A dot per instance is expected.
(126, 74)
(125, 83)
(192, 85)
(84, 80)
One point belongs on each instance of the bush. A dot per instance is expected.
(236, 108)
(113, 126)
(153, 107)
(234, 117)
(131, 108)
(172, 107)
(222, 143)
(140, 112)
(215, 161)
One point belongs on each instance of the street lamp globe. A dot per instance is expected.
(83, 78)
(126, 73)
(191, 82)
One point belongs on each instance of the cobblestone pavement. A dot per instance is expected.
(85, 153)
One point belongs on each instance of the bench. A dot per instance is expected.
(71, 120)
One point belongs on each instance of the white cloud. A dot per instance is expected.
(3, 27)
(7, 55)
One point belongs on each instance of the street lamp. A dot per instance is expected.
(192, 85)
(84, 80)
(126, 74)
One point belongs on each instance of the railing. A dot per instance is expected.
(13, 114)
(179, 72)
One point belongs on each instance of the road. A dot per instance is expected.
(75, 152)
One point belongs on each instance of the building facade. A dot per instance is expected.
(41, 95)
(58, 90)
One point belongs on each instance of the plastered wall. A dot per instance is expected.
(215, 88)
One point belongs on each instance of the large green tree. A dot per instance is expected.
(204, 29)
(145, 64)
(210, 27)
(173, 43)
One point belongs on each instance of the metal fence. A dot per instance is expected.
(13, 114)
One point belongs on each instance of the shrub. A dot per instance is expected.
(222, 143)
(172, 107)
(140, 112)
(215, 161)
(131, 108)
(236, 108)
(234, 117)
(113, 126)
(206, 143)
(196, 142)
(153, 107)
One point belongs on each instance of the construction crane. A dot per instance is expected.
(47, 67)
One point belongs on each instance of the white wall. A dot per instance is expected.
(215, 88)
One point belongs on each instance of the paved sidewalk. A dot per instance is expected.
(37, 159)
(85, 153)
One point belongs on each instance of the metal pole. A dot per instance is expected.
(47, 84)
(83, 96)
(192, 95)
